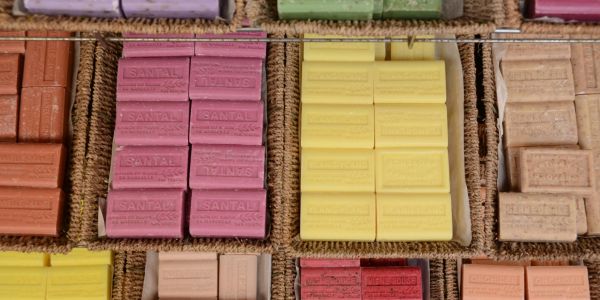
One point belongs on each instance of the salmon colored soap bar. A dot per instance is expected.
(32, 165)
(228, 213)
(29, 211)
(158, 49)
(392, 283)
(10, 74)
(48, 63)
(410, 82)
(153, 79)
(337, 126)
(238, 276)
(82, 257)
(328, 263)
(338, 216)
(233, 49)
(337, 82)
(145, 213)
(12, 46)
(79, 282)
(493, 282)
(9, 107)
(187, 275)
(418, 51)
(44, 115)
(338, 51)
(563, 282)
(23, 283)
(330, 283)
(22, 259)
(411, 125)
(337, 170)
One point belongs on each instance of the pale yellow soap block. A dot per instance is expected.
(380, 50)
(337, 170)
(79, 282)
(410, 82)
(23, 283)
(337, 216)
(337, 126)
(411, 125)
(337, 51)
(21, 259)
(337, 82)
(414, 217)
(412, 170)
(82, 257)
(419, 50)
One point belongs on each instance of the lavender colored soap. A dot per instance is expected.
(228, 213)
(226, 78)
(177, 9)
(152, 123)
(139, 167)
(226, 122)
(145, 213)
(89, 8)
(153, 79)
(233, 49)
(158, 49)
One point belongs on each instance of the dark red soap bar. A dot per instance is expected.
(392, 283)
(10, 69)
(328, 263)
(330, 283)
(578, 10)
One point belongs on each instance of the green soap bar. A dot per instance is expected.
(326, 9)
(377, 9)
(412, 9)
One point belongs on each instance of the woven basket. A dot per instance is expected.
(515, 19)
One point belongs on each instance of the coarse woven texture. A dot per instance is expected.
(139, 25)
(480, 16)
(291, 173)
(99, 151)
(515, 19)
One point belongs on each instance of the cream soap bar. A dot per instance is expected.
(337, 51)
(337, 82)
(410, 82)
(336, 170)
(337, 126)
(411, 125)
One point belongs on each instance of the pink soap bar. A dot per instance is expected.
(233, 49)
(150, 167)
(392, 283)
(330, 283)
(228, 213)
(158, 49)
(153, 79)
(226, 122)
(328, 263)
(226, 78)
(145, 213)
(227, 167)
(152, 123)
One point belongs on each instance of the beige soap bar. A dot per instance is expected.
(581, 217)
(536, 51)
(592, 209)
(187, 275)
(539, 80)
(588, 120)
(586, 68)
(237, 277)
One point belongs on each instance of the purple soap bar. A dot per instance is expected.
(226, 122)
(138, 167)
(157, 49)
(226, 78)
(227, 167)
(153, 79)
(228, 213)
(88, 8)
(233, 49)
(152, 123)
(145, 213)
(177, 9)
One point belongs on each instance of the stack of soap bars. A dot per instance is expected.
(374, 141)
(359, 10)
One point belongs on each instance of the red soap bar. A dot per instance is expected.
(153, 79)
(48, 63)
(12, 46)
(330, 283)
(384, 262)
(9, 106)
(43, 115)
(392, 283)
(158, 49)
(579, 10)
(10, 69)
(328, 263)
(32, 165)
(30, 211)
(233, 49)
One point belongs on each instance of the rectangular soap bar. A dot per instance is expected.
(540, 124)
(233, 49)
(586, 67)
(12, 46)
(227, 122)
(411, 125)
(174, 9)
(328, 263)
(330, 283)
(79, 282)
(29, 211)
(43, 115)
(566, 282)
(538, 81)
(23, 283)
(22, 259)
(226, 78)
(337, 82)
(536, 51)
(9, 107)
(80, 8)
(410, 82)
(537, 217)
(412, 170)
(152, 123)
(408, 9)
(557, 171)
(153, 79)
(227, 167)
(10, 74)
(380, 47)
(150, 167)
(419, 50)
(237, 276)
(414, 217)
(392, 283)
(158, 49)
(48, 63)
(338, 51)
(32, 165)
(337, 126)
(485, 282)
(228, 213)
(592, 209)
(581, 217)
(337, 170)
(588, 125)
(82, 257)
(325, 10)
(145, 213)
(187, 275)
(579, 10)
(337, 216)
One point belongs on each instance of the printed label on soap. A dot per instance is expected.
(337, 126)
(337, 170)
(410, 82)
(412, 170)
(538, 124)
(31, 165)
(337, 83)
(392, 283)
(411, 125)
(153, 79)
(226, 78)
(552, 80)
(226, 122)
(484, 281)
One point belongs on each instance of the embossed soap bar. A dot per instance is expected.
(537, 217)
(187, 275)
(150, 167)
(411, 125)
(153, 79)
(82, 257)
(23, 283)
(145, 213)
(337, 170)
(32, 165)
(418, 51)
(408, 9)
(9, 107)
(337, 82)
(337, 216)
(592, 209)
(226, 78)
(233, 49)
(158, 49)
(79, 282)
(536, 51)
(237, 276)
(24, 259)
(12, 46)
(325, 9)
(588, 121)
(330, 283)
(564, 282)
(392, 283)
(328, 263)
(227, 122)
(47, 63)
(43, 115)
(228, 213)
(193, 9)
(152, 123)
(493, 282)
(10, 73)
(586, 67)
(29, 211)
(338, 51)
(538, 81)
(337, 126)
(88, 8)
(410, 82)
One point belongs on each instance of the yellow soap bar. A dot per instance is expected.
(380, 50)
(82, 257)
(337, 170)
(411, 125)
(410, 82)
(23, 283)
(79, 282)
(337, 126)
(22, 259)
(419, 50)
(412, 170)
(414, 217)
(337, 216)
(351, 51)
(337, 82)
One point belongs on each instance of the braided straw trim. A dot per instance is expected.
(118, 275)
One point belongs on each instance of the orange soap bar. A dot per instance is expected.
(12, 46)
(562, 282)
(29, 211)
(493, 282)
(43, 115)
(9, 106)
(10, 67)
(32, 165)
(47, 63)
